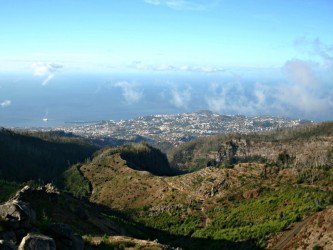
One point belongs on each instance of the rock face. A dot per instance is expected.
(228, 152)
(17, 221)
(35, 241)
(18, 214)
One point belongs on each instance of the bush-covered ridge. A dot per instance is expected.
(306, 146)
(140, 156)
(24, 156)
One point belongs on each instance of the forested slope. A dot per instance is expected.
(28, 156)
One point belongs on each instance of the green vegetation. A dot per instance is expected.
(8, 189)
(284, 159)
(144, 157)
(27, 157)
(175, 222)
(242, 220)
(76, 183)
(266, 215)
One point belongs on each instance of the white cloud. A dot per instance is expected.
(207, 69)
(305, 90)
(235, 97)
(301, 93)
(301, 72)
(181, 98)
(164, 67)
(139, 65)
(46, 69)
(184, 67)
(6, 103)
(130, 94)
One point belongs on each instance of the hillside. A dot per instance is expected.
(237, 191)
(247, 201)
(122, 184)
(315, 233)
(72, 223)
(306, 146)
(39, 156)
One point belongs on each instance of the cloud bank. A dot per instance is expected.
(181, 98)
(301, 92)
(129, 92)
(304, 89)
(6, 103)
(47, 70)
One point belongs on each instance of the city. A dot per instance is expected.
(176, 128)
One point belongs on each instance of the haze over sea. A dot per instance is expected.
(60, 100)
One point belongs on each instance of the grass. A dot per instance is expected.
(176, 223)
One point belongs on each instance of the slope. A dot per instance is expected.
(31, 156)
(240, 202)
(307, 145)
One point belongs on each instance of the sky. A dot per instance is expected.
(207, 35)
(291, 40)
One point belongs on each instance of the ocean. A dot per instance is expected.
(67, 99)
(70, 98)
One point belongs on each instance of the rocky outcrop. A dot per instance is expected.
(47, 192)
(18, 224)
(228, 152)
(35, 241)
(18, 214)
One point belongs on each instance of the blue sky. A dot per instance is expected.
(253, 57)
(161, 34)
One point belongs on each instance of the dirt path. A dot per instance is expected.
(289, 235)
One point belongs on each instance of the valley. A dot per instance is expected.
(226, 191)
